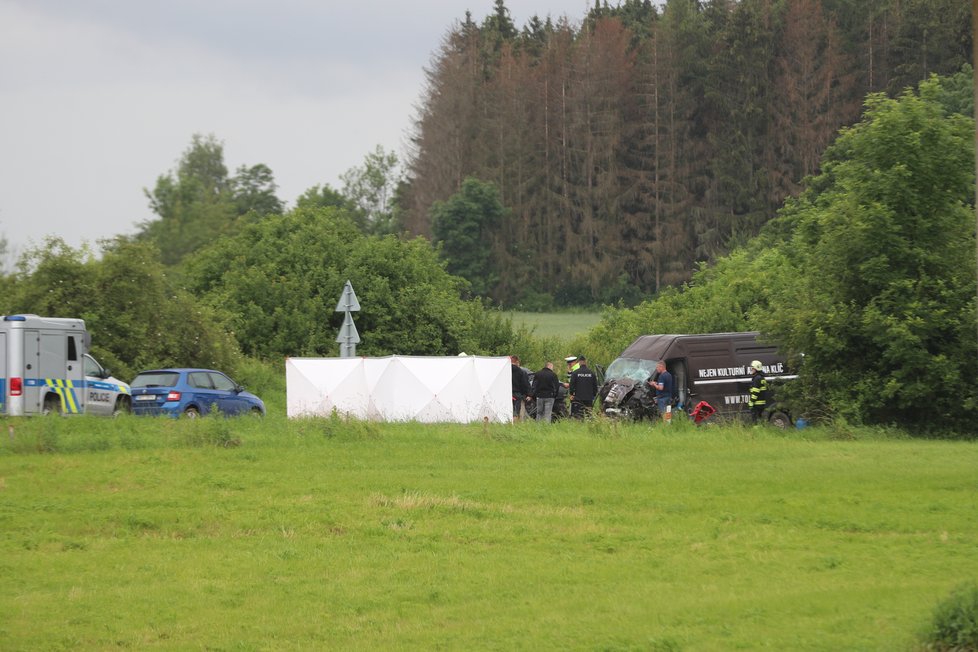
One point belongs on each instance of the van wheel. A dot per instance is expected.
(780, 420)
(191, 412)
(51, 405)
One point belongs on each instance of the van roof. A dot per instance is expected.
(655, 347)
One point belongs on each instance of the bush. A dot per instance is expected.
(954, 627)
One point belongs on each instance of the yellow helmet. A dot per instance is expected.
(757, 365)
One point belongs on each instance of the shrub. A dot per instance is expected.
(954, 626)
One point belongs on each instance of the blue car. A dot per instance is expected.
(191, 392)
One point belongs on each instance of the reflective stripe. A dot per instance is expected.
(741, 379)
(756, 393)
(65, 389)
(112, 387)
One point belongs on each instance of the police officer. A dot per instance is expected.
(583, 389)
(572, 364)
(757, 401)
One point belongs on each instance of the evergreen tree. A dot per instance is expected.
(638, 144)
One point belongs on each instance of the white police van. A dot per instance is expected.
(45, 368)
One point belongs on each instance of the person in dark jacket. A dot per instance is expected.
(521, 386)
(545, 386)
(759, 393)
(583, 389)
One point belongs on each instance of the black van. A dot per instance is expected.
(711, 367)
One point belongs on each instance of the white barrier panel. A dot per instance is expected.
(401, 388)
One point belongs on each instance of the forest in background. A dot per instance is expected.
(866, 277)
(628, 149)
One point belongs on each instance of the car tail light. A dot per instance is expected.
(16, 386)
(173, 396)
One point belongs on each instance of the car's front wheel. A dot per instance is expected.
(122, 406)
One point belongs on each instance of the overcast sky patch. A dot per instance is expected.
(100, 97)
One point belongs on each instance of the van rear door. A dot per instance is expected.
(57, 373)
(33, 381)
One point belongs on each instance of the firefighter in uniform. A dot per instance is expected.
(757, 402)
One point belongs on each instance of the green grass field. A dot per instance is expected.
(563, 325)
(321, 534)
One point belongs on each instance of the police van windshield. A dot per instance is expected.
(637, 370)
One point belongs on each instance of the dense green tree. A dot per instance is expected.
(497, 29)
(322, 196)
(371, 189)
(869, 273)
(193, 204)
(281, 279)
(462, 227)
(932, 36)
(956, 92)
(137, 316)
(199, 202)
(882, 253)
(253, 189)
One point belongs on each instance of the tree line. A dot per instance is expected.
(629, 148)
(865, 275)
(226, 271)
(866, 279)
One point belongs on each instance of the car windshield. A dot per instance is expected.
(156, 379)
(637, 370)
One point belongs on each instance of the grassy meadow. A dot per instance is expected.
(562, 325)
(270, 534)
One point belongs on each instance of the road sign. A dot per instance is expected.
(348, 337)
(348, 300)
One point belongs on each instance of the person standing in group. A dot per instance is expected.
(573, 362)
(544, 389)
(583, 388)
(757, 401)
(521, 386)
(572, 365)
(663, 385)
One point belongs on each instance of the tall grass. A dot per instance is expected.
(248, 534)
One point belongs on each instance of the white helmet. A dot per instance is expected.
(757, 365)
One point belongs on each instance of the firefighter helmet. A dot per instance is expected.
(757, 365)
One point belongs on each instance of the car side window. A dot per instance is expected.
(200, 380)
(222, 382)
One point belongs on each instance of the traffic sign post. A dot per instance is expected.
(348, 337)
